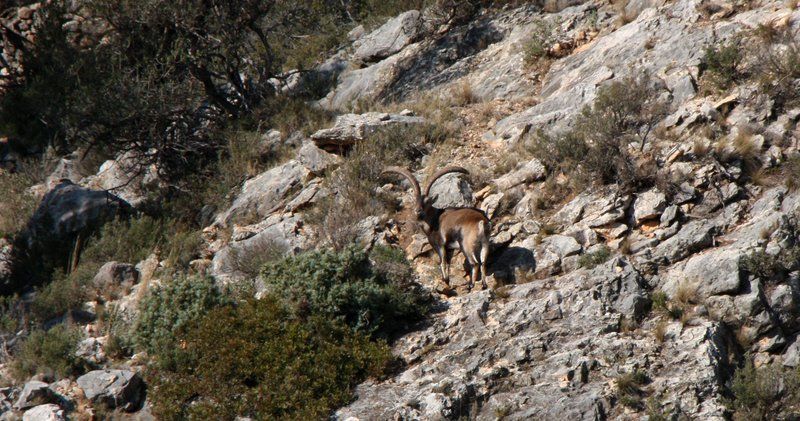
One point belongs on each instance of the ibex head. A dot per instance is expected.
(423, 201)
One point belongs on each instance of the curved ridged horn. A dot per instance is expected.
(443, 171)
(407, 174)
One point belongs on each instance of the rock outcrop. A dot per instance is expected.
(114, 388)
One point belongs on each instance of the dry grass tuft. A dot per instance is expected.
(660, 331)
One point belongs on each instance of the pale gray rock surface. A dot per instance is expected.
(543, 353)
(351, 128)
(390, 38)
(126, 178)
(115, 388)
(532, 170)
(266, 193)
(69, 209)
(451, 190)
(114, 275)
(35, 393)
(47, 412)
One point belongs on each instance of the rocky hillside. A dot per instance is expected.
(640, 165)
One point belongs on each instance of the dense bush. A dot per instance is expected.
(169, 309)
(346, 286)
(258, 360)
(777, 67)
(764, 393)
(62, 294)
(50, 352)
(543, 36)
(125, 240)
(772, 268)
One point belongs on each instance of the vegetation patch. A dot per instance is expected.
(377, 299)
(260, 360)
(590, 260)
(767, 392)
(629, 389)
(50, 352)
(167, 311)
(599, 146)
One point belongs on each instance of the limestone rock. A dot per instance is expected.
(115, 388)
(277, 235)
(126, 178)
(390, 38)
(451, 190)
(351, 128)
(114, 274)
(35, 393)
(47, 412)
(265, 193)
(315, 159)
(649, 205)
(532, 170)
(69, 209)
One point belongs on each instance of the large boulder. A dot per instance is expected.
(351, 128)
(113, 275)
(390, 38)
(649, 205)
(69, 209)
(35, 393)
(276, 235)
(266, 193)
(126, 177)
(532, 170)
(115, 388)
(451, 190)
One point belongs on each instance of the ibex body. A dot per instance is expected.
(456, 228)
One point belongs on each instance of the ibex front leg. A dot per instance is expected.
(444, 263)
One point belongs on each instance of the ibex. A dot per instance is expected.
(463, 228)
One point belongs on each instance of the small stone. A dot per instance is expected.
(48, 412)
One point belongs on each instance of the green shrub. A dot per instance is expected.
(166, 311)
(764, 393)
(792, 171)
(12, 314)
(659, 301)
(722, 63)
(257, 360)
(590, 260)
(51, 352)
(346, 286)
(62, 294)
(16, 205)
(777, 66)
(772, 268)
(168, 81)
(125, 240)
(543, 36)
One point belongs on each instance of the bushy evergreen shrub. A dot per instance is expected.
(169, 309)
(50, 352)
(347, 286)
(259, 360)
